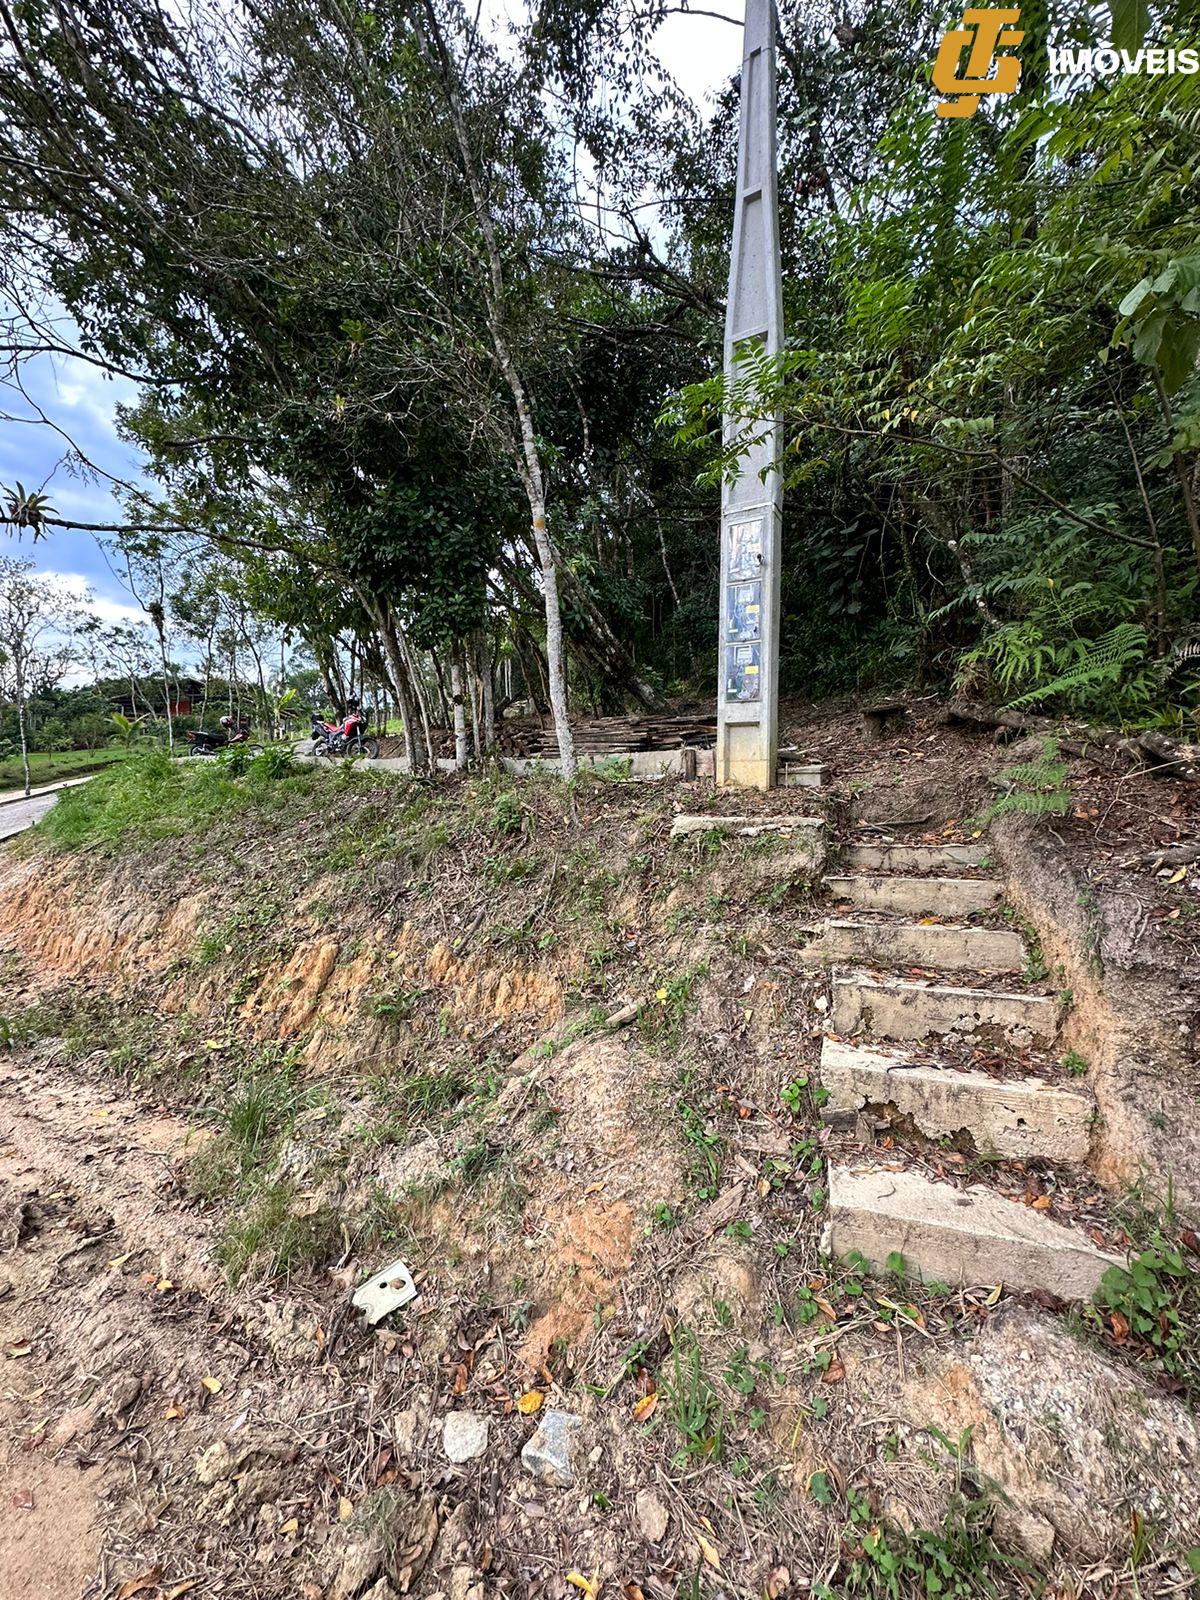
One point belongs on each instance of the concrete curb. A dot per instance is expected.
(7, 799)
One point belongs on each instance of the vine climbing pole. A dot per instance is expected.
(752, 505)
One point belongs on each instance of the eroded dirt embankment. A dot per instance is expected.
(524, 1043)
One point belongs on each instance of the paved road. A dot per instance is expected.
(21, 814)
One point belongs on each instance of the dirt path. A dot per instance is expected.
(49, 1534)
(118, 1160)
(108, 1300)
(87, 1178)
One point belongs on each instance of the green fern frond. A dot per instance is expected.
(1102, 662)
(1033, 805)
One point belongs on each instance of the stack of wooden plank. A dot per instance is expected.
(596, 736)
(599, 736)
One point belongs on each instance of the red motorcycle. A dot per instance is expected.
(346, 739)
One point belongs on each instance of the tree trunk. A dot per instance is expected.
(417, 679)
(529, 460)
(556, 674)
(460, 717)
(489, 699)
(167, 691)
(443, 698)
(21, 725)
(471, 658)
(416, 748)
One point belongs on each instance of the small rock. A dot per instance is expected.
(215, 1464)
(464, 1435)
(466, 1583)
(1025, 1534)
(404, 1431)
(363, 1553)
(75, 1423)
(547, 1454)
(652, 1515)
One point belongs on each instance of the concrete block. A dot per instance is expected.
(919, 897)
(796, 775)
(913, 857)
(895, 1008)
(948, 947)
(959, 1236)
(1016, 1117)
(749, 827)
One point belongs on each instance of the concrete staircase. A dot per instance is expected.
(891, 1052)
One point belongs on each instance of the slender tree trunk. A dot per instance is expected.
(415, 747)
(417, 680)
(471, 657)
(208, 666)
(21, 724)
(489, 698)
(460, 718)
(443, 698)
(529, 462)
(167, 692)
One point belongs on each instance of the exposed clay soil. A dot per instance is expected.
(573, 1196)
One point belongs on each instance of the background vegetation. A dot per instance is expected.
(428, 327)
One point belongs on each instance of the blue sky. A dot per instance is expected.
(81, 401)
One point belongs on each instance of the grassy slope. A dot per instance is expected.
(579, 887)
(49, 766)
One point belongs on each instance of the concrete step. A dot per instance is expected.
(939, 897)
(958, 1236)
(793, 774)
(1015, 1117)
(747, 827)
(944, 946)
(896, 1008)
(913, 857)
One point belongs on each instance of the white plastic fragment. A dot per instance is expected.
(384, 1292)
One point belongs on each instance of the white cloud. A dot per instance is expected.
(102, 606)
(81, 387)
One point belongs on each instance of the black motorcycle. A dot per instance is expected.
(202, 743)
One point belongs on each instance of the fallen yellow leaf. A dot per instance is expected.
(291, 1526)
(173, 1413)
(118, 1262)
(213, 1385)
(163, 1285)
(185, 1587)
(345, 1509)
(530, 1402)
(589, 1586)
(645, 1406)
(709, 1552)
(1178, 877)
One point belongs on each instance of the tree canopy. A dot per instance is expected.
(427, 328)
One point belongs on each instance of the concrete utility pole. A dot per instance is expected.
(752, 506)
